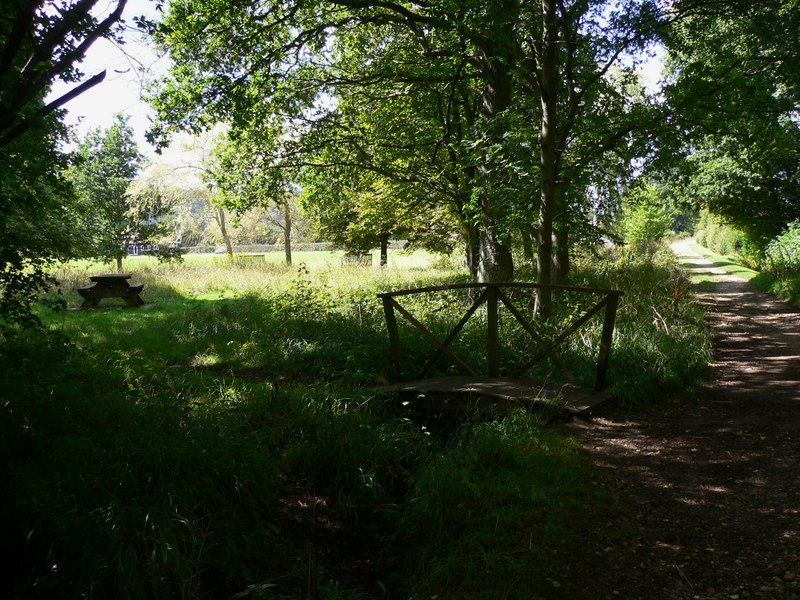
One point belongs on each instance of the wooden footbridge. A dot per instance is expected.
(491, 392)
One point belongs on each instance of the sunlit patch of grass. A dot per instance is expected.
(699, 270)
(205, 360)
(214, 277)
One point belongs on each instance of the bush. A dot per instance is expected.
(783, 253)
(645, 221)
(715, 235)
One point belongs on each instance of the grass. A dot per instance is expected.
(483, 510)
(399, 259)
(227, 440)
(662, 342)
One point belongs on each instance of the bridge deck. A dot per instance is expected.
(496, 394)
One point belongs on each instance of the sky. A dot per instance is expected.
(128, 67)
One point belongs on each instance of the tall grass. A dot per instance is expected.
(662, 342)
(228, 440)
(115, 487)
(489, 516)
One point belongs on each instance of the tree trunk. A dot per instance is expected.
(548, 156)
(528, 236)
(287, 232)
(384, 250)
(219, 217)
(497, 63)
(472, 249)
(496, 262)
(119, 264)
(560, 259)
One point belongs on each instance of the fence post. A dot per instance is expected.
(493, 334)
(394, 336)
(605, 341)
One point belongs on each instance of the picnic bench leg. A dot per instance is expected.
(133, 300)
(90, 299)
(90, 302)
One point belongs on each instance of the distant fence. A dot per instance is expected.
(299, 247)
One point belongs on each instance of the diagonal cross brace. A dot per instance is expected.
(545, 348)
(441, 346)
(564, 335)
(456, 330)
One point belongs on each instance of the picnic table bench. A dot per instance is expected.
(112, 285)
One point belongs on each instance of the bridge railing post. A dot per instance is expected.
(605, 341)
(493, 331)
(394, 335)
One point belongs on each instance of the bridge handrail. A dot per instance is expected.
(490, 294)
(511, 284)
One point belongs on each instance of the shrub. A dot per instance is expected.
(720, 237)
(783, 253)
(645, 219)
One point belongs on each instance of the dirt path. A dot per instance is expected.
(707, 492)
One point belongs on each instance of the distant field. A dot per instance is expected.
(214, 276)
(400, 259)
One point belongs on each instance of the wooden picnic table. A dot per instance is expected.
(111, 285)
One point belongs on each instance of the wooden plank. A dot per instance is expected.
(513, 285)
(463, 392)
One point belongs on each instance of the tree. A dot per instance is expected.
(37, 225)
(734, 92)
(156, 201)
(645, 218)
(584, 113)
(39, 43)
(107, 162)
(481, 68)
(238, 169)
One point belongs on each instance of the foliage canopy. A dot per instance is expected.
(39, 43)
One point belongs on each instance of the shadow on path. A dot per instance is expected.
(706, 492)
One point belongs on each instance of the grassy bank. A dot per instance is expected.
(226, 440)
